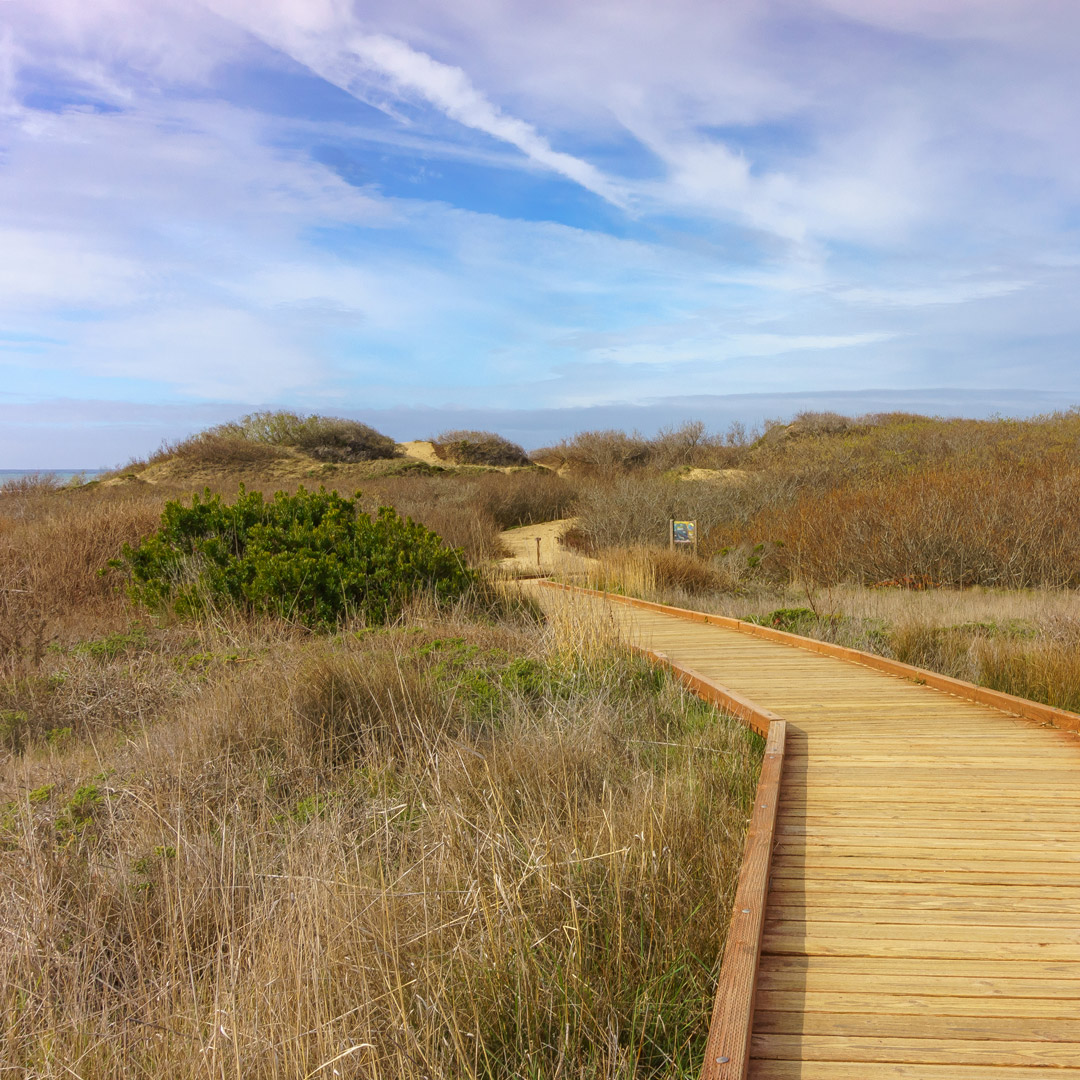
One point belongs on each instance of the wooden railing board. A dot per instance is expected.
(738, 705)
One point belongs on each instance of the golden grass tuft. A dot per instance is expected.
(659, 574)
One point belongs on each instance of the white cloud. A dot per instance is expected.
(204, 352)
(113, 207)
(723, 347)
(59, 269)
(821, 197)
(962, 292)
(1044, 23)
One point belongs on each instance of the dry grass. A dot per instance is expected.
(634, 510)
(265, 437)
(837, 500)
(953, 526)
(470, 510)
(653, 573)
(53, 546)
(466, 846)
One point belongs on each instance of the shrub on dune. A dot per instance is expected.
(312, 557)
(478, 448)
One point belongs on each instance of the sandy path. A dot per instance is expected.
(554, 558)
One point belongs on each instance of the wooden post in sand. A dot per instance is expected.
(538, 553)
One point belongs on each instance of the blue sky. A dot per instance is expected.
(532, 217)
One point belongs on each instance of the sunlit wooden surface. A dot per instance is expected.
(923, 917)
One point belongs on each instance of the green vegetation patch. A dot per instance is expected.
(790, 620)
(118, 643)
(312, 557)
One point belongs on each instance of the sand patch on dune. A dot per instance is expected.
(719, 476)
(422, 450)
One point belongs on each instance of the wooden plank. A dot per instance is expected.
(789, 827)
(873, 889)
(914, 1051)
(761, 1069)
(933, 847)
(996, 699)
(912, 865)
(723, 697)
(929, 929)
(928, 1025)
(913, 1004)
(727, 1051)
(860, 977)
(964, 912)
(774, 943)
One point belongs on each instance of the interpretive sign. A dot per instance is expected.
(683, 532)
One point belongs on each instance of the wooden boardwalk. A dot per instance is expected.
(922, 918)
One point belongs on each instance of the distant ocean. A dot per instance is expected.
(63, 475)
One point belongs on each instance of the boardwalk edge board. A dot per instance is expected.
(727, 1051)
(739, 706)
(997, 699)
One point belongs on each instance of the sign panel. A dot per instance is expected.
(684, 532)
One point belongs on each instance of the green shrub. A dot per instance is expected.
(312, 557)
(478, 448)
(14, 729)
(221, 447)
(799, 620)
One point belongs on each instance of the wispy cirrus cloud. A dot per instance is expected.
(335, 48)
(448, 88)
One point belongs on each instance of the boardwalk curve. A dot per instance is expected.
(922, 914)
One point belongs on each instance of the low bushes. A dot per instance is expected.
(631, 510)
(217, 449)
(328, 438)
(611, 451)
(478, 448)
(469, 511)
(1007, 527)
(657, 574)
(52, 545)
(32, 484)
(311, 557)
(523, 498)
(262, 437)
